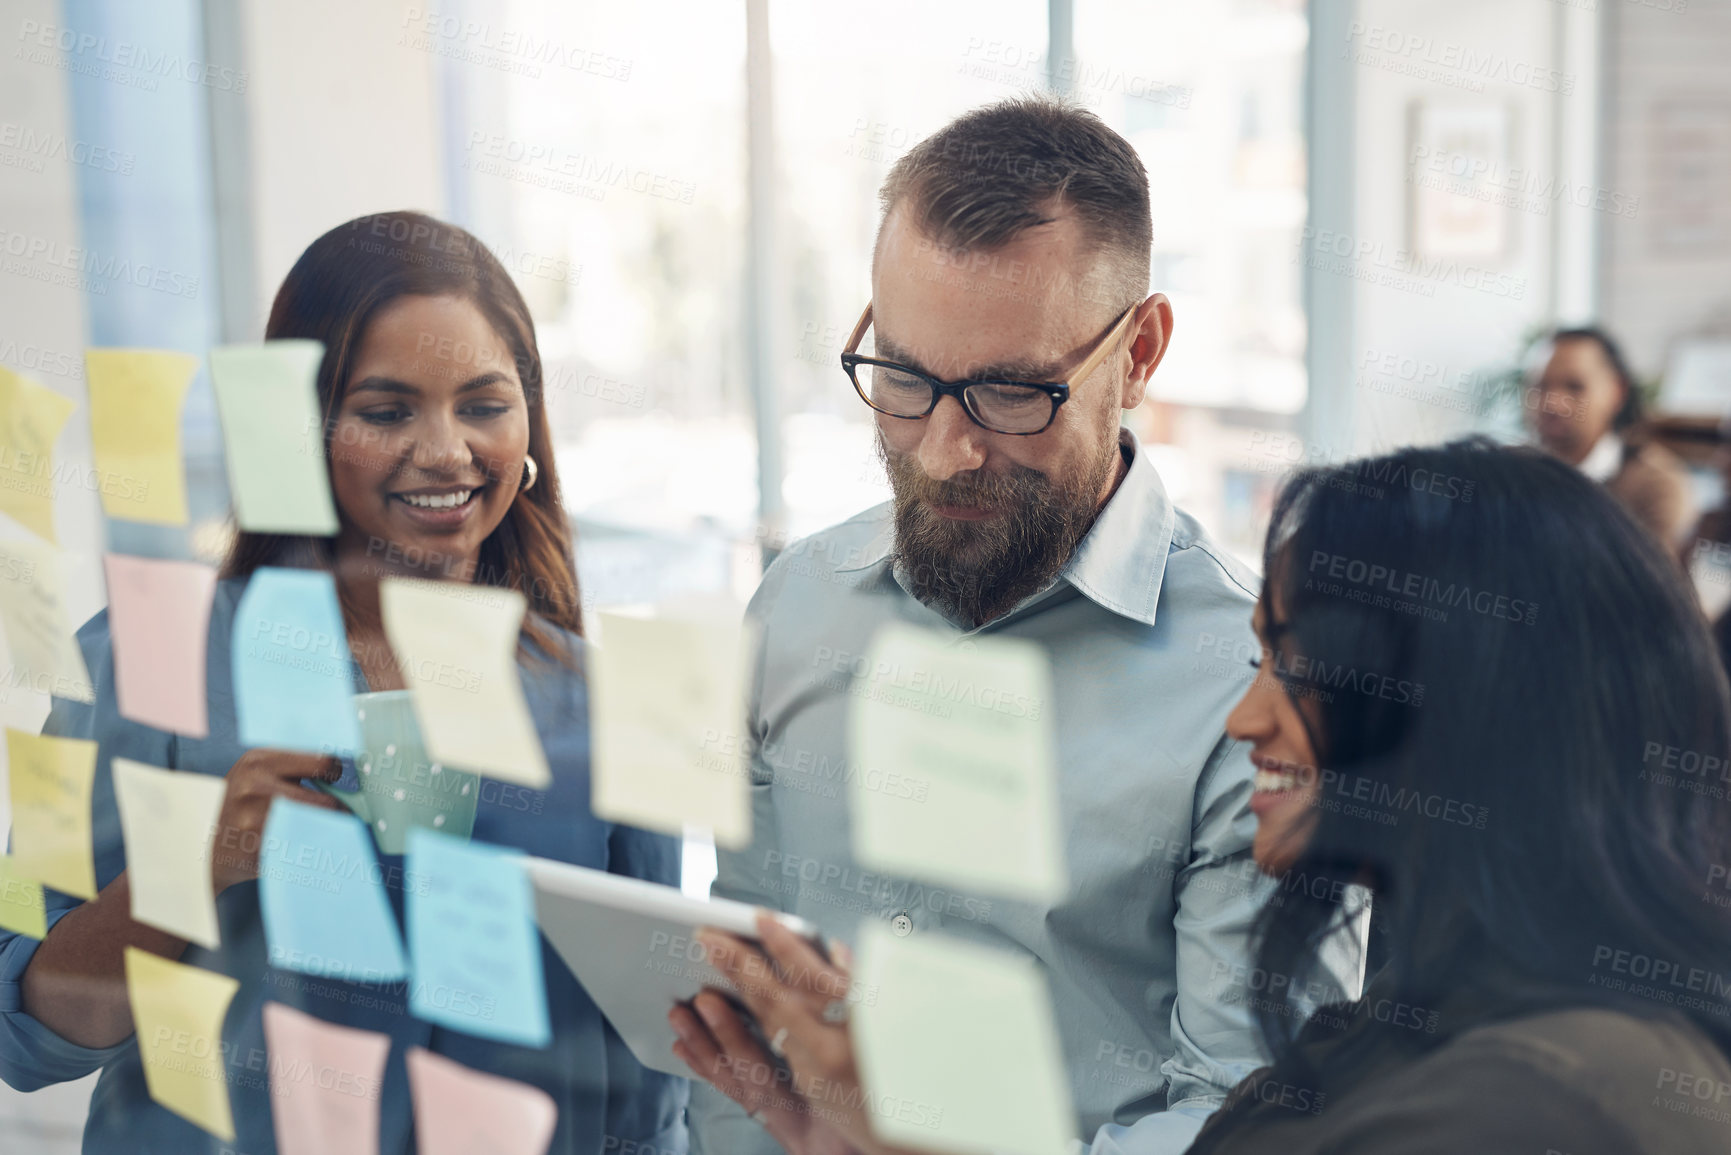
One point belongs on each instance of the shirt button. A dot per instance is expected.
(902, 925)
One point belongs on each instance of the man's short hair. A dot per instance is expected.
(992, 173)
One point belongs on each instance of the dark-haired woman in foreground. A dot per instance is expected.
(1542, 858)
(441, 467)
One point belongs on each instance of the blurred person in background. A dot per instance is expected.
(1586, 409)
(1554, 884)
(441, 467)
(1009, 328)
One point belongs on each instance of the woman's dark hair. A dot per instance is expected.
(1546, 721)
(334, 290)
(1632, 410)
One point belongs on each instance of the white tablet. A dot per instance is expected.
(630, 943)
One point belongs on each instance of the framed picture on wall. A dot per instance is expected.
(1458, 173)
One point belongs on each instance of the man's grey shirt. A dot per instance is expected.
(1147, 629)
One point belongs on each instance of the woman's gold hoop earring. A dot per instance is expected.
(531, 474)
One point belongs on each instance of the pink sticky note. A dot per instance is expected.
(159, 618)
(459, 1110)
(324, 1084)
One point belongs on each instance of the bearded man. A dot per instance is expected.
(1009, 328)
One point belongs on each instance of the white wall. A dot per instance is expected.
(37, 318)
(1435, 320)
(344, 121)
(1657, 290)
(44, 327)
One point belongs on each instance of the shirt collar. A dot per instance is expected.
(1604, 459)
(1122, 558)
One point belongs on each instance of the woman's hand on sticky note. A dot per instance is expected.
(253, 783)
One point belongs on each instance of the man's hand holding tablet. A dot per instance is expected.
(791, 1063)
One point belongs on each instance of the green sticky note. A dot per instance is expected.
(959, 1047)
(402, 787)
(966, 725)
(267, 397)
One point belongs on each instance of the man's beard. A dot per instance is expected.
(977, 570)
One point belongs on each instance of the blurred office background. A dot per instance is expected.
(1363, 213)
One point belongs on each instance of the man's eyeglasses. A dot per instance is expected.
(1018, 408)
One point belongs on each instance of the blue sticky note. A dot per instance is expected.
(293, 682)
(473, 937)
(322, 895)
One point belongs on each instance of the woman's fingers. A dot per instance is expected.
(799, 961)
(753, 980)
(716, 1044)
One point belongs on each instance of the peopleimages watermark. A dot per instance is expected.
(1385, 587)
(562, 170)
(34, 358)
(519, 51)
(447, 249)
(1446, 62)
(1311, 677)
(1375, 262)
(862, 891)
(991, 274)
(1718, 879)
(215, 1059)
(1664, 764)
(687, 956)
(29, 148)
(88, 270)
(1685, 1092)
(1421, 379)
(807, 771)
(1005, 62)
(1510, 186)
(1660, 979)
(121, 61)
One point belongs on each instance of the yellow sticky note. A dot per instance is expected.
(136, 397)
(168, 819)
(457, 645)
(39, 639)
(51, 782)
(964, 729)
(31, 418)
(273, 436)
(21, 906)
(959, 1047)
(178, 1012)
(667, 704)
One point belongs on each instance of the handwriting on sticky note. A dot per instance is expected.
(662, 693)
(33, 613)
(178, 1011)
(159, 618)
(22, 907)
(969, 723)
(31, 418)
(962, 1039)
(472, 934)
(168, 820)
(459, 1111)
(325, 1082)
(136, 397)
(51, 784)
(273, 436)
(458, 647)
(322, 895)
(293, 681)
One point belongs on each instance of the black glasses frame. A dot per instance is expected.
(1058, 392)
